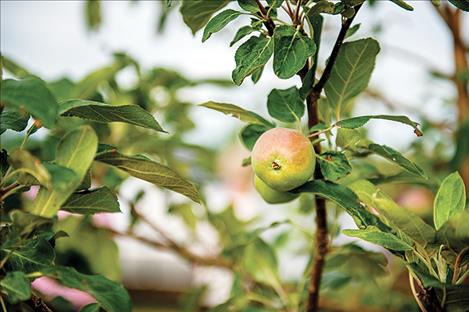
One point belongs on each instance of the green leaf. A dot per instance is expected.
(286, 105)
(455, 232)
(95, 201)
(450, 199)
(460, 4)
(291, 51)
(351, 72)
(322, 6)
(218, 22)
(197, 13)
(352, 30)
(237, 112)
(23, 162)
(13, 120)
(260, 261)
(397, 217)
(249, 5)
(28, 255)
(110, 296)
(334, 165)
(151, 171)
(13, 67)
(356, 122)
(374, 235)
(241, 33)
(396, 157)
(250, 56)
(403, 5)
(76, 151)
(100, 112)
(251, 133)
(93, 14)
(30, 94)
(16, 286)
(345, 198)
(62, 177)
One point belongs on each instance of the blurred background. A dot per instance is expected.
(141, 52)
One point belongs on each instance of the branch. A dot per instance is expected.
(268, 22)
(322, 239)
(176, 248)
(335, 52)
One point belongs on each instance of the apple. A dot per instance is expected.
(271, 195)
(283, 159)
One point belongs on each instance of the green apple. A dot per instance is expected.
(271, 195)
(283, 158)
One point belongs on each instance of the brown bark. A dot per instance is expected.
(452, 18)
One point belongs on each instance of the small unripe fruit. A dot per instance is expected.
(283, 158)
(271, 195)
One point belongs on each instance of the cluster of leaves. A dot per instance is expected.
(94, 137)
(436, 257)
(75, 143)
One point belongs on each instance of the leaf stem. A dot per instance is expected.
(4, 308)
(415, 293)
(457, 264)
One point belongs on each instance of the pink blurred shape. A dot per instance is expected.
(51, 288)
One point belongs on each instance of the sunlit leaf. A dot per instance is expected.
(450, 199)
(237, 112)
(23, 162)
(218, 22)
(345, 198)
(151, 171)
(334, 165)
(455, 232)
(197, 13)
(252, 55)
(100, 112)
(351, 72)
(356, 122)
(374, 235)
(400, 219)
(76, 151)
(31, 95)
(286, 105)
(94, 201)
(291, 51)
(241, 33)
(403, 5)
(397, 158)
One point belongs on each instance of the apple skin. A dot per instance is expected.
(271, 195)
(283, 158)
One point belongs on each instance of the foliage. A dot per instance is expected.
(68, 146)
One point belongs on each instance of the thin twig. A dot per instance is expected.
(269, 24)
(177, 249)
